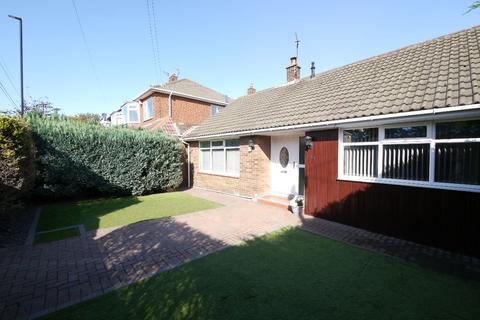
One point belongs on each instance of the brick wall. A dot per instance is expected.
(254, 176)
(160, 107)
(184, 110)
(189, 111)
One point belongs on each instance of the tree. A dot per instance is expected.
(41, 106)
(87, 117)
(474, 6)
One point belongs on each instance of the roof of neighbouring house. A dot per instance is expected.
(188, 88)
(443, 72)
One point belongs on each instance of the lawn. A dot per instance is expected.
(110, 212)
(290, 274)
(57, 235)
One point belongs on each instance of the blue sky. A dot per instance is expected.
(225, 45)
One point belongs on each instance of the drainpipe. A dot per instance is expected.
(188, 161)
(170, 105)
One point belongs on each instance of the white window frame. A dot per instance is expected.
(129, 108)
(145, 109)
(215, 107)
(429, 139)
(211, 148)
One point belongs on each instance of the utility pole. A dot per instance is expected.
(22, 102)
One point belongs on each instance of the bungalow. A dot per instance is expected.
(173, 107)
(389, 144)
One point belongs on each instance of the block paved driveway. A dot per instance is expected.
(38, 279)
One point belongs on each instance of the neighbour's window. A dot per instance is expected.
(442, 154)
(133, 114)
(125, 114)
(215, 109)
(130, 114)
(147, 109)
(220, 156)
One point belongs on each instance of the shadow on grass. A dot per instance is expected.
(86, 212)
(286, 275)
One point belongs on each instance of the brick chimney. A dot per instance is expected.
(251, 89)
(293, 70)
(172, 78)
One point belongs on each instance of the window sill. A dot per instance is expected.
(147, 119)
(419, 184)
(212, 173)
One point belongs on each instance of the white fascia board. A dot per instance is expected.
(149, 91)
(409, 116)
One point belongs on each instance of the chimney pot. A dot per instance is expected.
(251, 89)
(293, 70)
(172, 78)
(312, 70)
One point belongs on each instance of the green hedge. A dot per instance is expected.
(17, 173)
(78, 159)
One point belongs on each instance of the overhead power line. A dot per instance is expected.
(8, 75)
(89, 53)
(2, 87)
(152, 24)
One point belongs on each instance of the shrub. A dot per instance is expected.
(78, 159)
(17, 173)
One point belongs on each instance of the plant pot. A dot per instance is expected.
(297, 210)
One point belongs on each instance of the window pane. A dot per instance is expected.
(406, 132)
(204, 144)
(233, 161)
(215, 109)
(301, 152)
(133, 116)
(361, 161)
(457, 163)
(232, 143)
(406, 161)
(218, 160)
(148, 108)
(217, 143)
(360, 135)
(205, 157)
(459, 129)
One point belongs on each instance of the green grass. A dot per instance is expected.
(57, 235)
(110, 212)
(290, 275)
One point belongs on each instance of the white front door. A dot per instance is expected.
(284, 165)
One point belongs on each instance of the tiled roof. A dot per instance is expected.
(165, 124)
(190, 87)
(438, 73)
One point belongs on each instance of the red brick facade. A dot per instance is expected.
(184, 110)
(254, 179)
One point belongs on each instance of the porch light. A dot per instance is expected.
(308, 142)
(251, 145)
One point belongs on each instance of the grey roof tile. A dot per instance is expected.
(434, 74)
(189, 87)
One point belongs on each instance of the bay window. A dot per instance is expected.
(439, 155)
(130, 113)
(220, 156)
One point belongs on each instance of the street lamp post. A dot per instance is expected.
(22, 107)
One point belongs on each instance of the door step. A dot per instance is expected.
(275, 201)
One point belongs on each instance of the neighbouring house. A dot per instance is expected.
(128, 114)
(390, 143)
(174, 107)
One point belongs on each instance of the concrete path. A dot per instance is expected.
(39, 279)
